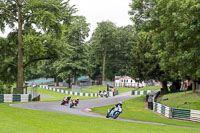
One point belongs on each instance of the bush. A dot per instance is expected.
(4, 89)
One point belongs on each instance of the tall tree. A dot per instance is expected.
(145, 62)
(174, 27)
(103, 41)
(37, 21)
(73, 61)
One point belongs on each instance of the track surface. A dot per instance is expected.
(84, 106)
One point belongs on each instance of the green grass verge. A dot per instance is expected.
(58, 96)
(150, 88)
(93, 89)
(17, 120)
(96, 89)
(122, 89)
(186, 100)
(66, 89)
(134, 109)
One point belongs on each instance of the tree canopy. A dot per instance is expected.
(36, 27)
(173, 26)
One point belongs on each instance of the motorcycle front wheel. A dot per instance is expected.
(71, 105)
(115, 116)
(107, 116)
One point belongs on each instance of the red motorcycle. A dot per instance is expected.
(74, 102)
(65, 100)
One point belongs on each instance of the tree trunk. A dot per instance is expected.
(69, 81)
(104, 63)
(20, 74)
(57, 82)
(75, 80)
(193, 86)
(164, 89)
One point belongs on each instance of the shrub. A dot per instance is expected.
(4, 89)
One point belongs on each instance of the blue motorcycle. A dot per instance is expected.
(114, 113)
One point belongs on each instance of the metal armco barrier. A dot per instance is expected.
(162, 109)
(175, 113)
(181, 114)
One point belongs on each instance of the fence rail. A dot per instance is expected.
(4, 98)
(69, 92)
(175, 113)
(140, 92)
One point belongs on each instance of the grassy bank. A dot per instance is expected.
(57, 95)
(96, 89)
(135, 109)
(149, 88)
(186, 100)
(17, 120)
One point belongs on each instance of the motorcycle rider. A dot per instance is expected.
(76, 101)
(105, 94)
(117, 106)
(67, 98)
(100, 93)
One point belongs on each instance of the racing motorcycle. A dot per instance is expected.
(74, 102)
(114, 112)
(65, 100)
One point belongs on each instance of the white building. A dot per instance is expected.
(126, 81)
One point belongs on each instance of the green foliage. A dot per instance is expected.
(173, 26)
(114, 44)
(73, 59)
(43, 25)
(4, 89)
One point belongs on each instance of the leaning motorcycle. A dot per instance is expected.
(74, 102)
(65, 100)
(114, 113)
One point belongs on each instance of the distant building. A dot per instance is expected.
(84, 81)
(126, 81)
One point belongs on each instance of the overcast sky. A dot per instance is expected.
(101, 10)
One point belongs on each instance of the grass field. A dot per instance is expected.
(135, 109)
(149, 88)
(96, 89)
(187, 100)
(17, 120)
(58, 96)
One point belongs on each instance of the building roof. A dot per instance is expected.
(126, 77)
(83, 78)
